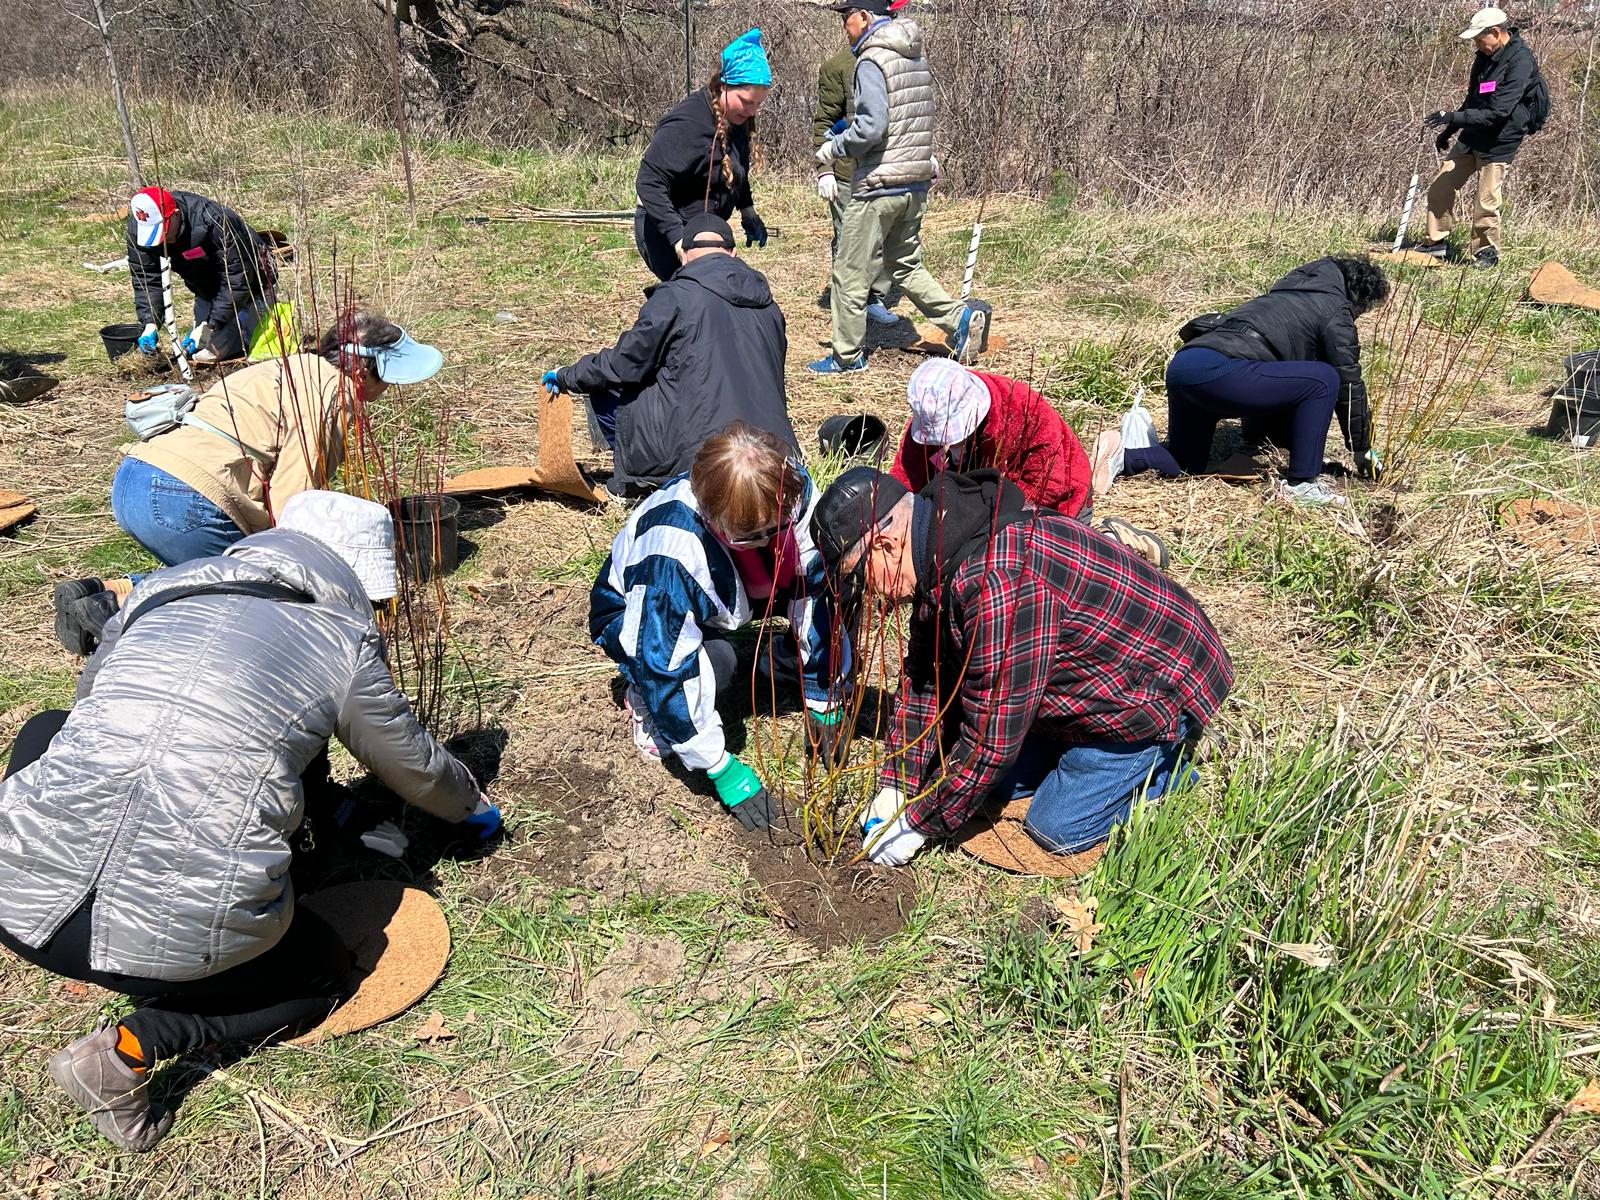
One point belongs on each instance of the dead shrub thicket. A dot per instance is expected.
(1274, 101)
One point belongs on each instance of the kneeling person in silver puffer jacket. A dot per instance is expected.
(144, 836)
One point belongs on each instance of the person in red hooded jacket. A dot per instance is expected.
(965, 420)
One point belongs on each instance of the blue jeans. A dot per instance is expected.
(168, 517)
(1080, 794)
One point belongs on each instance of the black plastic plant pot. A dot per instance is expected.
(121, 338)
(427, 528)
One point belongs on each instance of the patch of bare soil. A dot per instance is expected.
(1554, 525)
(615, 1020)
(826, 905)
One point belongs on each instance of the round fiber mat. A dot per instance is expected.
(400, 941)
(1000, 840)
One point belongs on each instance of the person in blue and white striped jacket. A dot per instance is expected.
(726, 544)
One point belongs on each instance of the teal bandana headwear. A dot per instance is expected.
(744, 61)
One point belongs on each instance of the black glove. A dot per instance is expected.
(1435, 120)
(756, 812)
(1442, 142)
(755, 229)
(828, 736)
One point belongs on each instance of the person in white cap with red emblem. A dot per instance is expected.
(220, 258)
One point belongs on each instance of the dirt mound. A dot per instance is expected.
(1554, 525)
(826, 905)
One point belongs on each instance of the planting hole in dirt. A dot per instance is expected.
(826, 905)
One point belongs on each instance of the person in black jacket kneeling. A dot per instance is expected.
(219, 257)
(1287, 363)
(707, 350)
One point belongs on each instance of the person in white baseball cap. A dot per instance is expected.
(1506, 100)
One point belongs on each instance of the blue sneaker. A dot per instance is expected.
(959, 340)
(830, 365)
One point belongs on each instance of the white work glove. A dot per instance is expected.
(386, 838)
(826, 153)
(828, 187)
(936, 171)
(888, 836)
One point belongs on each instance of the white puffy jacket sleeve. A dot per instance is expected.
(377, 725)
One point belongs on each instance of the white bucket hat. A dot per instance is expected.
(357, 530)
(948, 403)
(1484, 20)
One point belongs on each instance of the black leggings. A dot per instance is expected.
(277, 994)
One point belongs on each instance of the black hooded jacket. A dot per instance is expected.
(1305, 317)
(671, 183)
(216, 253)
(1493, 119)
(707, 350)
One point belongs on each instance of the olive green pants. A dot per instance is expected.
(882, 283)
(878, 233)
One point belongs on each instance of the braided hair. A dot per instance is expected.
(714, 89)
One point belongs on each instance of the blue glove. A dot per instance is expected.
(552, 380)
(147, 339)
(188, 345)
(838, 127)
(484, 822)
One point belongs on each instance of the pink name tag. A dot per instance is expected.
(1486, 86)
(197, 252)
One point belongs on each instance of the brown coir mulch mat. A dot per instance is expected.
(15, 508)
(1000, 840)
(400, 941)
(1554, 284)
(557, 471)
(1554, 525)
(1410, 258)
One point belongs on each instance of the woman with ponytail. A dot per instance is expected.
(699, 158)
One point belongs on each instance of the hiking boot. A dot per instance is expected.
(79, 621)
(1312, 491)
(879, 315)
(1107, 461)
(830, 365)
(645, 739)
(1486, 258)
(1138, 541)
(116, 1097)
(1439, 249)
(962, 340)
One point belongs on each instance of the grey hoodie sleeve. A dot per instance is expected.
(870, 125)
(377, 725)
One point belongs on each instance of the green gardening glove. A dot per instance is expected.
(742, 793)
(827, 735)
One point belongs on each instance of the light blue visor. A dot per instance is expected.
(406, 361)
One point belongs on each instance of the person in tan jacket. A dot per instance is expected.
(253, 439)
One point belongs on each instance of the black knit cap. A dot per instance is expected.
(878, 8)
(704, 230)
(853, 504)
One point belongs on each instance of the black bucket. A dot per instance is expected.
(851, 435)
(121, 338)
(428, 527)
(1575, 412)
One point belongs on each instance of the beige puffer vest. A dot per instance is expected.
(906, 155)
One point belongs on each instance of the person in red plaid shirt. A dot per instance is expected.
(1043, 659)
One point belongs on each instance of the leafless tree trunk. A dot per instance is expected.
(122, 105)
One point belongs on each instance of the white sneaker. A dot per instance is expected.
(880, 315)
(1312, 491)
(1138, 426)
(1107, 460)
(644, 732)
